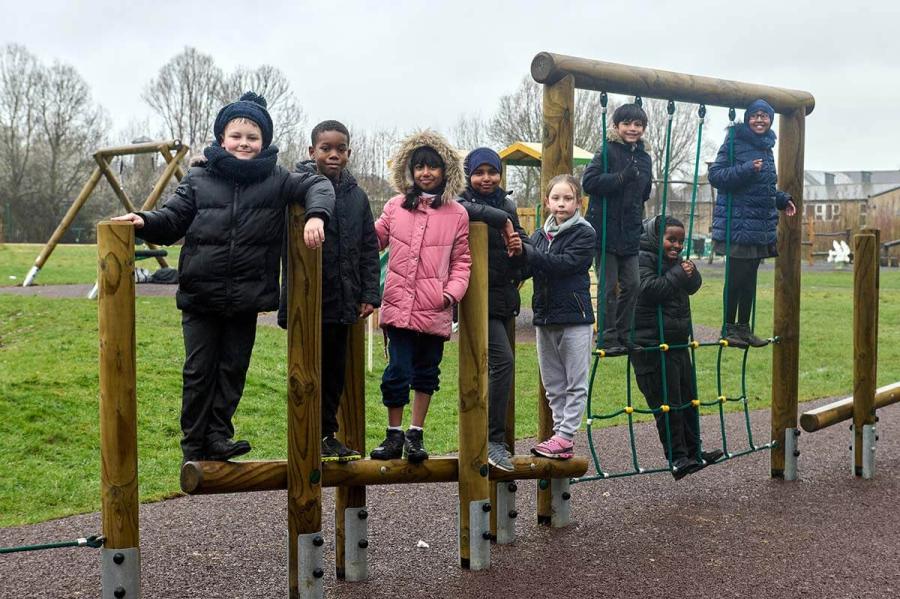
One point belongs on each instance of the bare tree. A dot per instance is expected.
(187, 94)
(469, 132)
(370, 153)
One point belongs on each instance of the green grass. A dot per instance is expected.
(49, 436)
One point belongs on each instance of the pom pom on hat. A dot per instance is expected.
(250, 106)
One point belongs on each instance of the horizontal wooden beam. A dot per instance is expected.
(203, 478)
(842, 409)
(141, 148)
(614, 78)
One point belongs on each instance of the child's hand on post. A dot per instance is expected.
(365, 310)
(791, 208)
(314, 232)
(131, 217)
(448, 301)
(757, 164)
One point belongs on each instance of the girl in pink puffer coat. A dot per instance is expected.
(427, 233)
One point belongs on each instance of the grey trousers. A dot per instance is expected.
(564, 357)
(500, 372)
(619, 312)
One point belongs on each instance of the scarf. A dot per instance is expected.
(228, 166)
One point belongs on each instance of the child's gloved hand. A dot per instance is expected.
(131, 217)
(314, 232)
(629, 173)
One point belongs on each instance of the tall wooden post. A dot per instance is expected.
(558, 141)
(865, 340)
(474, 484)
(118, 411)
(351, 418)
(304, 413)
(786, 353)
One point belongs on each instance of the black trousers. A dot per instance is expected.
(334, 366)
(217, 352)
(683, 425)
(741, 289)
(500, 373)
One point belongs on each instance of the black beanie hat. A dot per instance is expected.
(250, 106)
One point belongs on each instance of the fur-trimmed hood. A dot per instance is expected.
(454, 177)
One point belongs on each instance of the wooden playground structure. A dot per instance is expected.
(486, 496)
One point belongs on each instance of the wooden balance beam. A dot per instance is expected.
(842, 409)
(207, 478)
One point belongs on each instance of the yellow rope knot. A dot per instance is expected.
(695, 344)
(723, 342)
(663, 347)
(695, 403)
(722, 399)
(664, 407)
(629, 410)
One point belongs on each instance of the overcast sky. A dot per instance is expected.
(408, 64)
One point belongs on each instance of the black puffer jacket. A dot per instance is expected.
(624, 197)
(562, 285)
(671, 290)
(232, 236)
(504, 273)
(350, 267)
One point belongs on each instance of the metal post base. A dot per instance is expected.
(309, 565)
(791, 453)
(29, 278)
(560, 504)
(120, 573)
(506, 512)
(92, 294)
(356, 544)
(479, 535)
(868, 456)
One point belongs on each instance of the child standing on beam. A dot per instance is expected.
(427, 233)
(625, 184)
(231, 214)
(485, 201)
(559, 256)
(350, 273)
(667, 290)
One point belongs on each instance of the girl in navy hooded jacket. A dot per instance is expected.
(746, 173)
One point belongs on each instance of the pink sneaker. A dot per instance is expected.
(556, 448)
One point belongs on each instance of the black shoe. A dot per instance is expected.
(391, 448)
(193, 456)
(732, 334)
(415, 446)
(748, 336)
(222, 450)
(335, 451)
(684, 466)
(711, 457)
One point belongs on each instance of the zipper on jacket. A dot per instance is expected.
(228, 277)
(580, 305)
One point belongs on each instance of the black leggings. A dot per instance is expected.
(741, 289)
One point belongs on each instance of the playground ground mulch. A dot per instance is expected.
(728, 531)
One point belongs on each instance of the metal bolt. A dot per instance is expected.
(566, 496)
(318, 541)
(362, 514)
(118, 558)
(512, 487)
(483, 471)
(513, 514)
(796, 453)
(796, 432)
(544, 483)
(318, 573)
(363, 543)
(486, 536)
(485, 507)
(876, 419)
(119, 592)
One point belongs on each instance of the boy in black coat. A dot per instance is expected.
(231, 214)
(668, 286)
(350, 273)
(625, 183)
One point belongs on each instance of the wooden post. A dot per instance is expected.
(786, 353)
(842, 409)
(351, 418)
(165, 152)
(474, 485)
(865, 338)
(118, 408)
(558, 142)
(811, 237)
(304, 404)
(171, 168)
(63, 226)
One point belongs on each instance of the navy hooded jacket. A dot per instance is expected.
(754, 200)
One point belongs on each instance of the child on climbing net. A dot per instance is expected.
(427, 233)
(746, 173)
(559, 257)
(668, 285)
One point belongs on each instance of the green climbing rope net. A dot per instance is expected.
(629, 409)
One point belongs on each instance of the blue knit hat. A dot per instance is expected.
(250, 106)
(480, 156)
(756, 106)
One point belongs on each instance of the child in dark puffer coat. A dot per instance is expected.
(746, 174)
(668, 285)
(231, 214)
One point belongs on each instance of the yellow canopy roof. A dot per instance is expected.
(528, 153)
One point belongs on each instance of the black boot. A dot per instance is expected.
(391, 448)
(732, 334)
(222, 450)
(415, 446)
(748, 336)
(335, 451)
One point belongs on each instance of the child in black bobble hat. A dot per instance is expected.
(230, 212)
